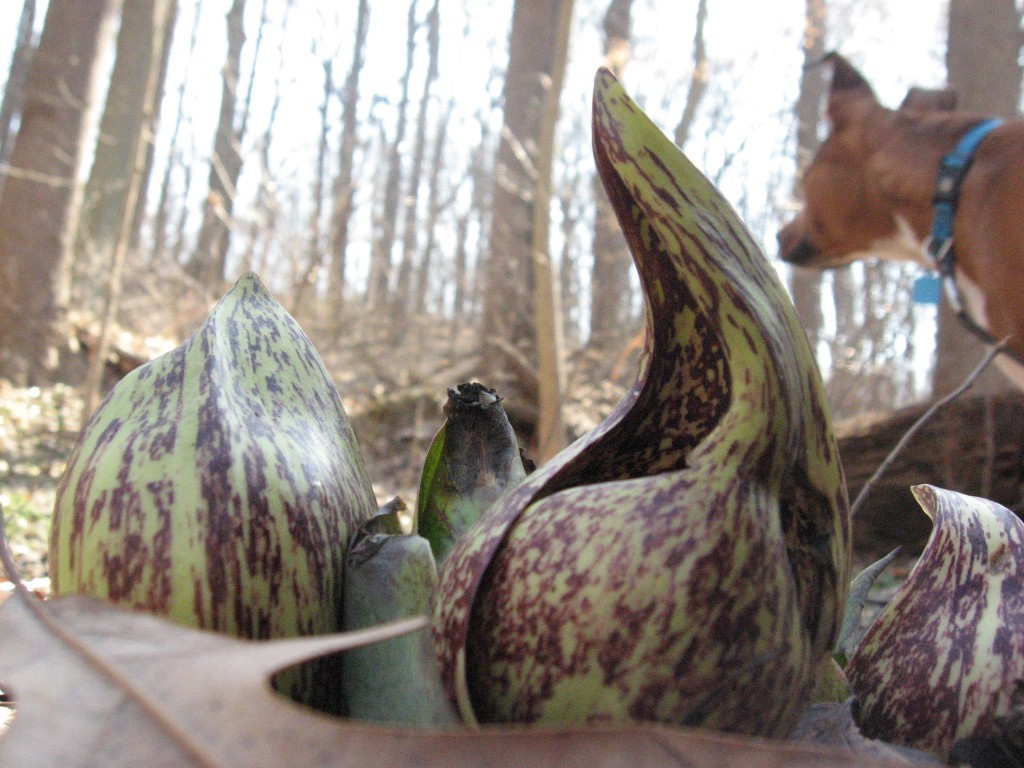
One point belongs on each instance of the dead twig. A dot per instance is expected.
(925, 417)
(7, 564)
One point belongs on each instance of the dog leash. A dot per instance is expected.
(952, 170)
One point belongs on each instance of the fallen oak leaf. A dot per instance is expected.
(119, 687)
(129, 684)
(141, 685)
(833, 724)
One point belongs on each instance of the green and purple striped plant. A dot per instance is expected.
(942, 661)
(688, 560)
(218, 485)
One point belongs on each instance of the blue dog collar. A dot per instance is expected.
(947, 191)
(952, 170)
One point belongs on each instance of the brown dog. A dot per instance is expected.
(870, 187)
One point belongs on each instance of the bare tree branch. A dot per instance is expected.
(936, 406)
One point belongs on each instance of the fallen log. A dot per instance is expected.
(974, 445)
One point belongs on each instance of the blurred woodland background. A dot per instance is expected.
(413, 180)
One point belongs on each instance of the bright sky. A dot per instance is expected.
(754, 47)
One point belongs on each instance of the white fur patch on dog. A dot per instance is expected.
(974, 302)
(901, 245)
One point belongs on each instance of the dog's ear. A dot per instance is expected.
(849, 93)
(845, 76)
(929, 100)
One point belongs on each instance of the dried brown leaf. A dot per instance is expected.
(117, 685)
(98, 685)
(832, 724)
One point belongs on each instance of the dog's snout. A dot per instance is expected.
(802, 253)
(794, 247)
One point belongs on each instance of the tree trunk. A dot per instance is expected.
(460, 271)
(41, 198)
(177, 252)
(568, 262)
(14, 91)
(609, 276)
(113, 210)
(162, 214)
(342, 192)
(403, 283)
(265, 208)
(551, 435)
(805, 284)
(311, 273)
(477, 173)
(974, 445)
(843, 380)
(150, 138)
(698, 79)
(208, 262)
(379, 285)
(128, 120)
(982, 55)
(435, 205)
(509, 336)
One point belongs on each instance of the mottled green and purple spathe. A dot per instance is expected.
(218, 485)
(688, 560)
(942, 660)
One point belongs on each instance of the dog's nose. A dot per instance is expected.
(801, 254)
(794, 245)
(787, 240)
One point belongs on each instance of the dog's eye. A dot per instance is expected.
(817, 232)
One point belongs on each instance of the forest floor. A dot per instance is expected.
(393, 397)
(394, 411)
(38, 430)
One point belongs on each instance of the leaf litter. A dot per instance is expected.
(133, 695)
(37, 432)
(117, 684)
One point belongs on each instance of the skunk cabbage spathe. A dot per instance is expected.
(218, 485)
(942, 660)
(688, 560)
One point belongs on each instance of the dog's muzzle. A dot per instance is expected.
(799, 254)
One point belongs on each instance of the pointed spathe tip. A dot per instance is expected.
(250, 279)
